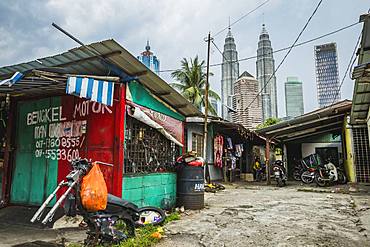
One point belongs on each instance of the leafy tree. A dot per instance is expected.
(268, 122)
(191, 83)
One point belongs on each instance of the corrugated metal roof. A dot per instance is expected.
(361, 91)
(84, 60)
(323, 120)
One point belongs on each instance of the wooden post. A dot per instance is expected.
(267, 155)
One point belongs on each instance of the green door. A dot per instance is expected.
(34, 176)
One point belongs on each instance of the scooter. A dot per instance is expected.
(110, 226)
(279, 173)
(325, 175)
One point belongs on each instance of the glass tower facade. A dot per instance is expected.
(147, 58)
(265, 69)
(327, 75)
(293, 97)
(230, 73)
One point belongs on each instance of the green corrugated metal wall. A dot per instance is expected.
(156, 189)
(142, 97)
(33, 178)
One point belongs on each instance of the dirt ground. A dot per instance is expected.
(270, 216)
(242, 215)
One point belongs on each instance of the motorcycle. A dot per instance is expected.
(279, 173)
(325, 175)
(110, 226)
(308, 176)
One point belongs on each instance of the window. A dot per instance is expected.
(147, 150)
(197, 144)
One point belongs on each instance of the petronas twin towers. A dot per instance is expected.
(265, 67)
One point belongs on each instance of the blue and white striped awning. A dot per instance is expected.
(92, 89)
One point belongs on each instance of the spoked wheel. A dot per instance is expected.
(126, 228)
(297, 175)
(150, 216)
(319, 180)
(306, 177)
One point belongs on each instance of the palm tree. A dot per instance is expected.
(192, 80)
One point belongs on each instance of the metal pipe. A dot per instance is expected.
(43, 206)
(58, 203)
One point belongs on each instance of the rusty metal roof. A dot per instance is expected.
(361, 74)
(82, 60)
(323, 120)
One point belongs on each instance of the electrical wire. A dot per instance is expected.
(281, 49)
(286, 55)
(241, 18)
(350, 64)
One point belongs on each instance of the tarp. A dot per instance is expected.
(92, 89)
(138, 114)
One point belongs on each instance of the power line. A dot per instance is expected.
(286, 55)
(350, 64)
(281, 49)
(241, 18)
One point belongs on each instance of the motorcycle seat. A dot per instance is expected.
(121, 202)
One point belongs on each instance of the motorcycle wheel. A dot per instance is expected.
(306, 177)
(125, 226)
(297, 175)
(342, 179)
(150, 216)
(280, 182)
(319, 181)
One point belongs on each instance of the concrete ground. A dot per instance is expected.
(242, 215)
(252, 215)
(16, 230)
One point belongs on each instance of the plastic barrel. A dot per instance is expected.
(190, 187)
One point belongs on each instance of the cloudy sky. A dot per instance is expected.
(176, 29)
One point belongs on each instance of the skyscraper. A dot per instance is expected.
(246, 89)
(147, 58)
(265, 69)
(230, 73)
(327, 75)
(293, 97)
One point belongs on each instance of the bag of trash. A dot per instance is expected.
(94, 192)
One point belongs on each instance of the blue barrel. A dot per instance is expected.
(190, 187)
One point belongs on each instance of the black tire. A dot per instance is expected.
(157, 211)
(306, 178)
(126, 226)
(280, 182)
(319, 181)
(297, 175)
(342, 179)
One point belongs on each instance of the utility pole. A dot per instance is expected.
(206, 102)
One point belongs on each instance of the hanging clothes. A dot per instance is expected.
(229, 143)
(239, 150)
(218, 146)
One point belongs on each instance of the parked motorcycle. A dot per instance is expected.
(110, 226)
(325, 175)
(279, 173)
(308, 176)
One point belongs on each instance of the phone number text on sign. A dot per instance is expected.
(58, 154)
(62, 142)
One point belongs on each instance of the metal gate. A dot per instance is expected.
(361, 152)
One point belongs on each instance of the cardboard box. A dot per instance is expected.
(248, 177)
